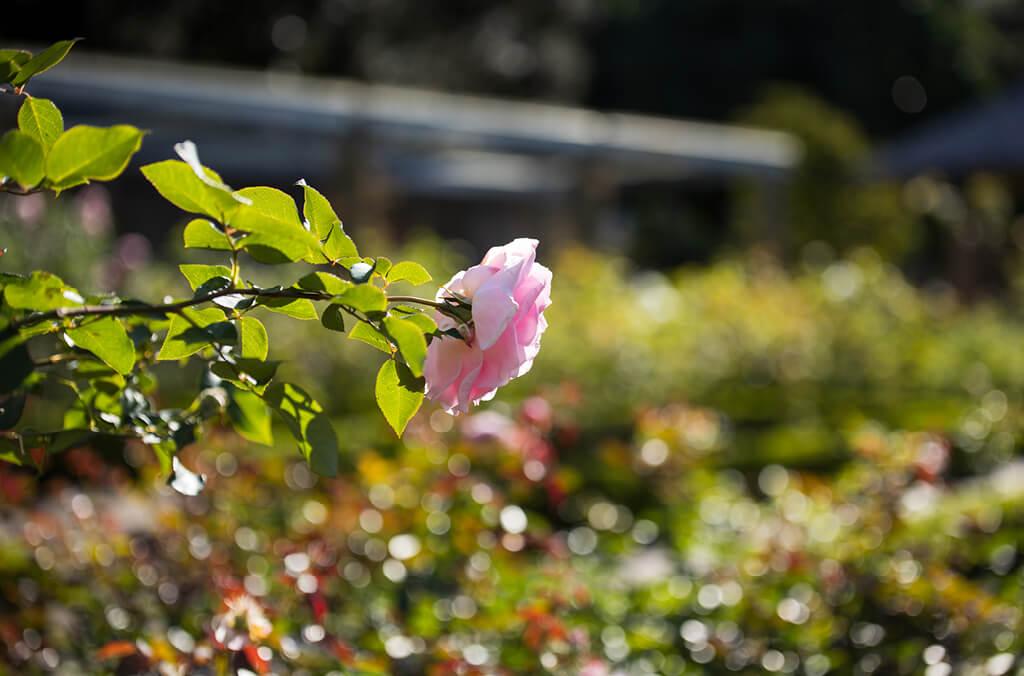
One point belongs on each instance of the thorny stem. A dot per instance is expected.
(419, 301)
(135, 309)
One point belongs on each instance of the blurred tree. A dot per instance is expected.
(705, 58)
(886, 62)
(827, 199)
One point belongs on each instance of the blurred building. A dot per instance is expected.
(479, 168)
(982, 137)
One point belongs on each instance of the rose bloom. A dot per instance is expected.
(509, 292)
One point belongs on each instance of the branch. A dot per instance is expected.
(20, 193)
(135, 309)
(419, 301)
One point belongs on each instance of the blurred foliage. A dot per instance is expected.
(828, 198)
(735, 469)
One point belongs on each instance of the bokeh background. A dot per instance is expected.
(776, 423)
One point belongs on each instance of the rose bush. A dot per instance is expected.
(105, 348)
(509, 292)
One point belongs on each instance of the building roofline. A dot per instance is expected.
(321, 105)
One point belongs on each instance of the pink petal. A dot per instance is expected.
(494, 306)
(443, 365)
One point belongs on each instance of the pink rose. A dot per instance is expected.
(509, 292)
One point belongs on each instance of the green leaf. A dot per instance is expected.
(324, 281)
(425, 322)
(338, 245)
(180, 186)
(333, 318)
(308, 424)
(371, 336)
(107, 339)
(11, 451)
(365, 298)
(277, 248)
(271, 212)
(15, 364)
(11, 409)
(197, 274)
(40, 291)
(198, 328)
(40, 119)
(399, 394)
(21, 158)
(275, 227)
(253, 342)
(249, 374)
(325, 223)
(250, 417)
(11, 61)
(299, 308)
(381, 265)
(408, 271)
(84, 153)
(43, 61)
(203, 234)
(410, 341)
(318, 211)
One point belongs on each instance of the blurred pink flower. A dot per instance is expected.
(30, 208)
(594, 668)
(94, 212)
(509, 291)
(488, 425)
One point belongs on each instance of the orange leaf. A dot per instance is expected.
(116, 649)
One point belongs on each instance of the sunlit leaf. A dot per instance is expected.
(84, 153)
(40, 119)
(192, 330)
(382, 265)
(308, 424)
(298, 308)
(253, 342)
(318, 211)
(324, 281)
(399, 394)
(180, 186)
(425, 322)
(365, 298)
(106, 338)
(40, 291)
(203, 234)
(338, 245)
(197, 275)
(11, 61)
(43, 61)
(408, 271)
(21, 158)
(410, 341)
(250, 416)
(371, 336)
